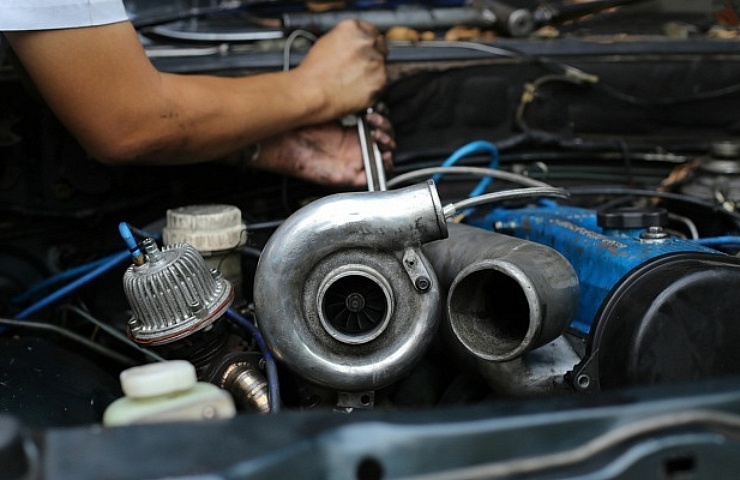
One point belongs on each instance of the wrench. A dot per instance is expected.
(372, 159)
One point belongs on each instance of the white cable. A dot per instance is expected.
(289, 45)
(517, 193)
(461, 44)
(480, 171)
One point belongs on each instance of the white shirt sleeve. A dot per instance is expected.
(52, 14)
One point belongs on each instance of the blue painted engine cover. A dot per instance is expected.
(601, 257)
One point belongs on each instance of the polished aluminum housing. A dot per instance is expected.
(344, 295)
(173, 294)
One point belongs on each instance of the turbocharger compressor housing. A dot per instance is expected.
(344, 295)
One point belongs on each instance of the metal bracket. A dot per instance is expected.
(416, 271)
(356, 399)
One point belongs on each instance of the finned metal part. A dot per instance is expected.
(173, 294)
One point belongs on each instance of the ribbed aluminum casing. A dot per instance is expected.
(173, 294)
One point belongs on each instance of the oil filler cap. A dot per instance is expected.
(631, 218)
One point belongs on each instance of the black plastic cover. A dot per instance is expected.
(673, 319)
(631, 217)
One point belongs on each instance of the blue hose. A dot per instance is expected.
(111, 262)
(128, 237)
(59, 277)
(273, 383)
(469, 149)
(719, 241)
(94, 269)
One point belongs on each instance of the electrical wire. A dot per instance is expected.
(273, 383)
(465, 170)
(571, 75)
(264, 225)
(514, 194)
(622, 191)
(597, 83)
(113, 332)
(690, 225)
(498, 51)
(576, 151)
(669, 101)
(29, 325)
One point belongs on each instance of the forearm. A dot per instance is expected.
(197, 118)
(101, 85)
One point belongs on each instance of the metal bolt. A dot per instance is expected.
(355, 302)
(654, 233)
(583, 381)
(133, 324)
(423, 284)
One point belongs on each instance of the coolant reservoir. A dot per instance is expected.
(167, 392)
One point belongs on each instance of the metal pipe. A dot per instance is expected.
(344, 295)
(247, 385)
(505, 296)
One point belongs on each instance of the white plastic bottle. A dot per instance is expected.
(166, 392)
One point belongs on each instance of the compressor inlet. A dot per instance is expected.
(355, 305)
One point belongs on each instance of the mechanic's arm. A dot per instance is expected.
(101, 85)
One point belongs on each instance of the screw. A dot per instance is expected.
(423, 284)
(583, 381)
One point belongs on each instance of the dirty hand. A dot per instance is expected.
(328, 154)
(348, 66)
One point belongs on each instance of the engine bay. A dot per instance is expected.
(557, 245)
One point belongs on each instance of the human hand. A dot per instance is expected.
(328, 153)
(347, 65)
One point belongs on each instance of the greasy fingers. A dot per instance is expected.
(381, 123)
(387, 161)
(380, 45)
(382, 132)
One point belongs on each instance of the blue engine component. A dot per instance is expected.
(603, 249)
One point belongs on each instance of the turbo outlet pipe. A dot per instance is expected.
(505, 296)
(343, 293)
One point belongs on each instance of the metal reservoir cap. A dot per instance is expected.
(173, 294)
(208, 228)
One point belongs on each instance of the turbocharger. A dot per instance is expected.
(343, 293)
